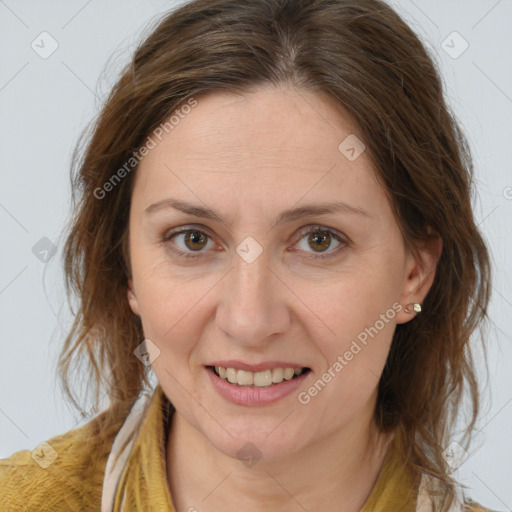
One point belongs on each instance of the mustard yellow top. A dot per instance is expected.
(73, 480)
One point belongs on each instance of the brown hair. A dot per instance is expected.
(364, 56)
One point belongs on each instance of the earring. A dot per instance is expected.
(413, 307)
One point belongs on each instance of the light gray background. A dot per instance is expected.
(46, 103)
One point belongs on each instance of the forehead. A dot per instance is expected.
(274, 145)
(257, 123)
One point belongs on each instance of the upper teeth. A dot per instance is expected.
(260, 379)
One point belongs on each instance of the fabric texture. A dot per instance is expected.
(73, 482)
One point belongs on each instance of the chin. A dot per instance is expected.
(251, 439)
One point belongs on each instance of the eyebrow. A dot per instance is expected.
(285, 216)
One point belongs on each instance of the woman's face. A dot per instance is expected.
(251, 286)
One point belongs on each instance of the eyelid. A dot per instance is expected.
(310, 228)
(171, 233)
(313, 228)
(187, 227)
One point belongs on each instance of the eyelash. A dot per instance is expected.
(311, 229)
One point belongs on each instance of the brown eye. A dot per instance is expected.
(192, 243)
(319, 241)
(187, 243)
(195, 240)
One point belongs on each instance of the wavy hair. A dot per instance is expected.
(368, 59)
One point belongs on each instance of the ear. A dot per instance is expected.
(420, 273)
(132, 298)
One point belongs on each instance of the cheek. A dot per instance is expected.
(173, 315)
(167, 316)
(344, 303)
(353, 361)
(352, 328)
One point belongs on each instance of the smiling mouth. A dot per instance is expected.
(261, 379)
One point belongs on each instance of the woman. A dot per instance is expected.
(274, 216)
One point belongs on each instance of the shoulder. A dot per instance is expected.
(64, 473)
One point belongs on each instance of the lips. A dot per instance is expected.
(261, 394)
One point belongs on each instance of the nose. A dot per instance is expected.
(254, 305)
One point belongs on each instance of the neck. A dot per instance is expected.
(336, 473)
